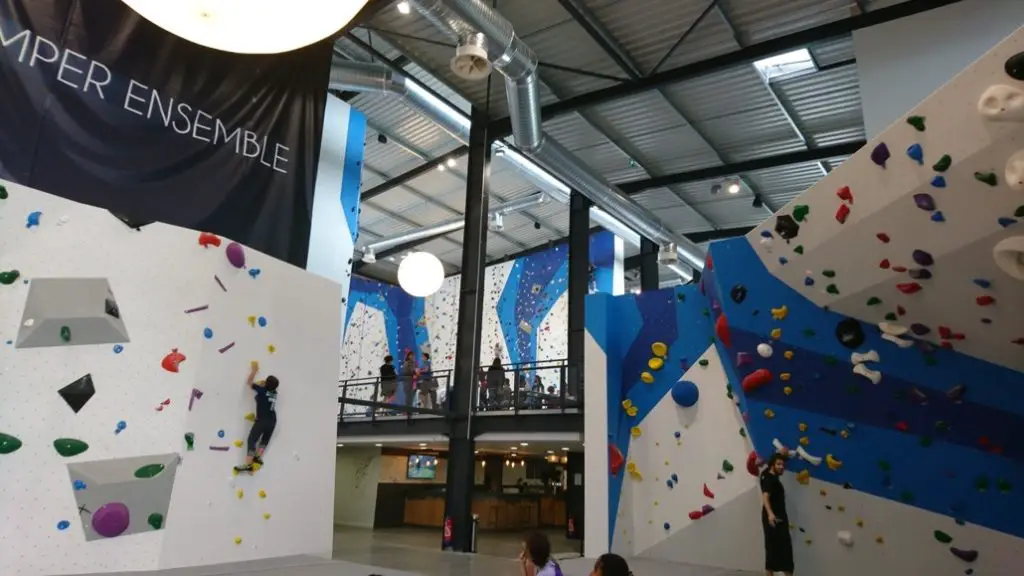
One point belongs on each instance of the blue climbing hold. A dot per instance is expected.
(766, 234)
(254, 272)
(916, 153)
(79, 485)
(63, 525)
(982, 283)
(262, 322)
(685, 393)
(667, 527)
(939, 182)
(678, 434)
(783, 260)
(1006, 222)
(808, 281)
(33, 219)
(938, 216)
(675, 477)
(220, 433)
(120, 427)
(669, 483)
(207, 333)
(118, 348)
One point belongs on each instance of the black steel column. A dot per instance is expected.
(648, 265)
(575, 503)
(459, 493)
(579, 286)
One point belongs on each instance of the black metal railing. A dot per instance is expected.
(549, 385)
(373, 398)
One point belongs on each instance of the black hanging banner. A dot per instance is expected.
(100, 106)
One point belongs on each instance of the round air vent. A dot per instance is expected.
(470, 62)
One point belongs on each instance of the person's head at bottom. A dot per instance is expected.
(776, 464)
(536, 550)
(271, 383)
(611, 565)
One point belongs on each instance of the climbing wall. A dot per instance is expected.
(925, 227)
(124, 349)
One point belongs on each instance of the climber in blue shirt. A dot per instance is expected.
(266, 416)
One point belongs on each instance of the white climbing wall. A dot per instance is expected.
(977, 119)
(155, 274)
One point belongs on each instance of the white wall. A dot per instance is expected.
(155, 275)
(355, 486)
(900, 63)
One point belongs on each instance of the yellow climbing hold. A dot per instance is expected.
(823, 492)
(240, 493)
(238, 540)
(656, 363)
(266, 515)
(631, 468)
(250, 417)
(635, 432)
(768, 413)
(234, 471)
(880, 540)
(860, 523)
(252, 321)
(804, 440)
(256, 466)
(844, 434)
(802, 427)
(841, 508)
(237, 443)
(808, 541)
(780, 313)
(655, 502)
(785, 376)
(832, 463)
(659, 349)
(631, 411)
(646, 377)
(787, 390)
(263, 494)
(271, 348)
(788, 354)
(803, 477)
(776, 333)
(627, 404)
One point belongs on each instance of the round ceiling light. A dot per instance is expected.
(420, 274)
(250, 26)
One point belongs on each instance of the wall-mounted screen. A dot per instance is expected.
(421, 467)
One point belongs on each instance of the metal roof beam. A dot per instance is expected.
(503, 127)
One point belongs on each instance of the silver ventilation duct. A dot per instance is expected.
(455, 224)
(514, 59)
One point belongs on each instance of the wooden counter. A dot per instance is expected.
(496, 511)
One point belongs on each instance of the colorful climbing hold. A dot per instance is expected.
(33, 219)
(656, 363)
(842, 213)
(938, 182)
(883, 237)
(727, 466)
(9, 444)
(68, 447)
(156, 520)
(924, 201)
(908, 287)
(207, 333)
(207, 239)
(172, 360)
(9, 277)
(880, 154)
(65, 334)
(800, 212)
(235, 254)
(149, 471)
(965, 555)
(659, 349)
(703, 362)
(917, 122)
(874, 301)
(111, 519)
(1005, 222)
(943, 163)
(938, 216)
(922, 258)
(986, 178)
(190, 439)
(756, 379)
(63, 525)
(915, 153)
(985, 300)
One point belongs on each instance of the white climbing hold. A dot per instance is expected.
(767, 244)
(1002, 103)
(63, 220)
(901, 342)
(764, 350)
(845, 538)
(1009, 256)
(874, 375)
(780, 447)
(869, 356)
(29, 323)
(892, 329)
(1014, 172)
(812, 460)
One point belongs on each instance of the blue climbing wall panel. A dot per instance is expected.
(602, 262)
(534, 284)
(914, 437)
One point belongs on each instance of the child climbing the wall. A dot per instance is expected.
(266, 416)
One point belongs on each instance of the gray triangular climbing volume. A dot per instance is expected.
(78, 393)
(70, 312)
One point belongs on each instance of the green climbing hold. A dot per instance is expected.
(703, 362)
(828, 273)
(729, 395)
(711, 339)
(156, 520)
(706, 312)
(799, 249)
(800, 212)
(943, 537)
(1019, 212)
(907, 497)
(832, 289)
(917, 122)
(190, 439)
(727, 466)
(1004, 486)
(925, 441)
(743, 432)
(681, 297)
(891, 317)
(3, 192)
(9, 277)
(8, 443)
(830, 360)
(68, 447)
(982, 483)
(149, 470)
(873, 301)
(884, 465)
(943, 164)
(809, 333)
(986, 177)
(65, 334)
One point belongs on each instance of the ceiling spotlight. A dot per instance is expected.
(565, 449)
(403, 7)
(423, 444)
(451, 162)
(440, 167)
(733, 187)
(513, 448)
(378, 445)
(551, 451)
(524, 443)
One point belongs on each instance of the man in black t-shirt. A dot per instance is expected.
(266, 416)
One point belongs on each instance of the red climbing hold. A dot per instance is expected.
(985, 300)
(945, 332)
(708, 493)
(900, 310)
(708, 264)
(900, 269)
(206, 239)
(884, 264)
(615, 459)
(756, 379)
(172, 359)
(753, 464)
(902, 426)
(946, 345)
(908, 287)
(845, 194)
(883, 237)
(696, 515)
(842, 213)
(722, 331)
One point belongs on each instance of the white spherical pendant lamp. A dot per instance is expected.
(250, 26)
(420, 274)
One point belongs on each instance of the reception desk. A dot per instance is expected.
(495, 511)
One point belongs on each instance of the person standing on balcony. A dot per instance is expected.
(407, 376)
(426, 384)
(388, 379)
(495, 380)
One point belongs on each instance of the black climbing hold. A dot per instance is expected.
(1015, 66)
(78, 393)
(786, 227)
(738, 293)
(849, 333)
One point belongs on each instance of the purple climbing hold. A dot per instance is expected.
(706, 509)
(111, 520)
(924, 201)
(235, 254)
(808, 281)
(919, 329)
(922, 258)
(938, 216)
(965, 555)
(939, 182)
(742, 359)
(1006, 222)
(916, 153)
(986, 320)
(919, 273)
(880, 155)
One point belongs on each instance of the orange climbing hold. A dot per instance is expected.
(615, 459)
(708, 493)
(206, 240)
(722, 331)
(756, 379)
(172, 360)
